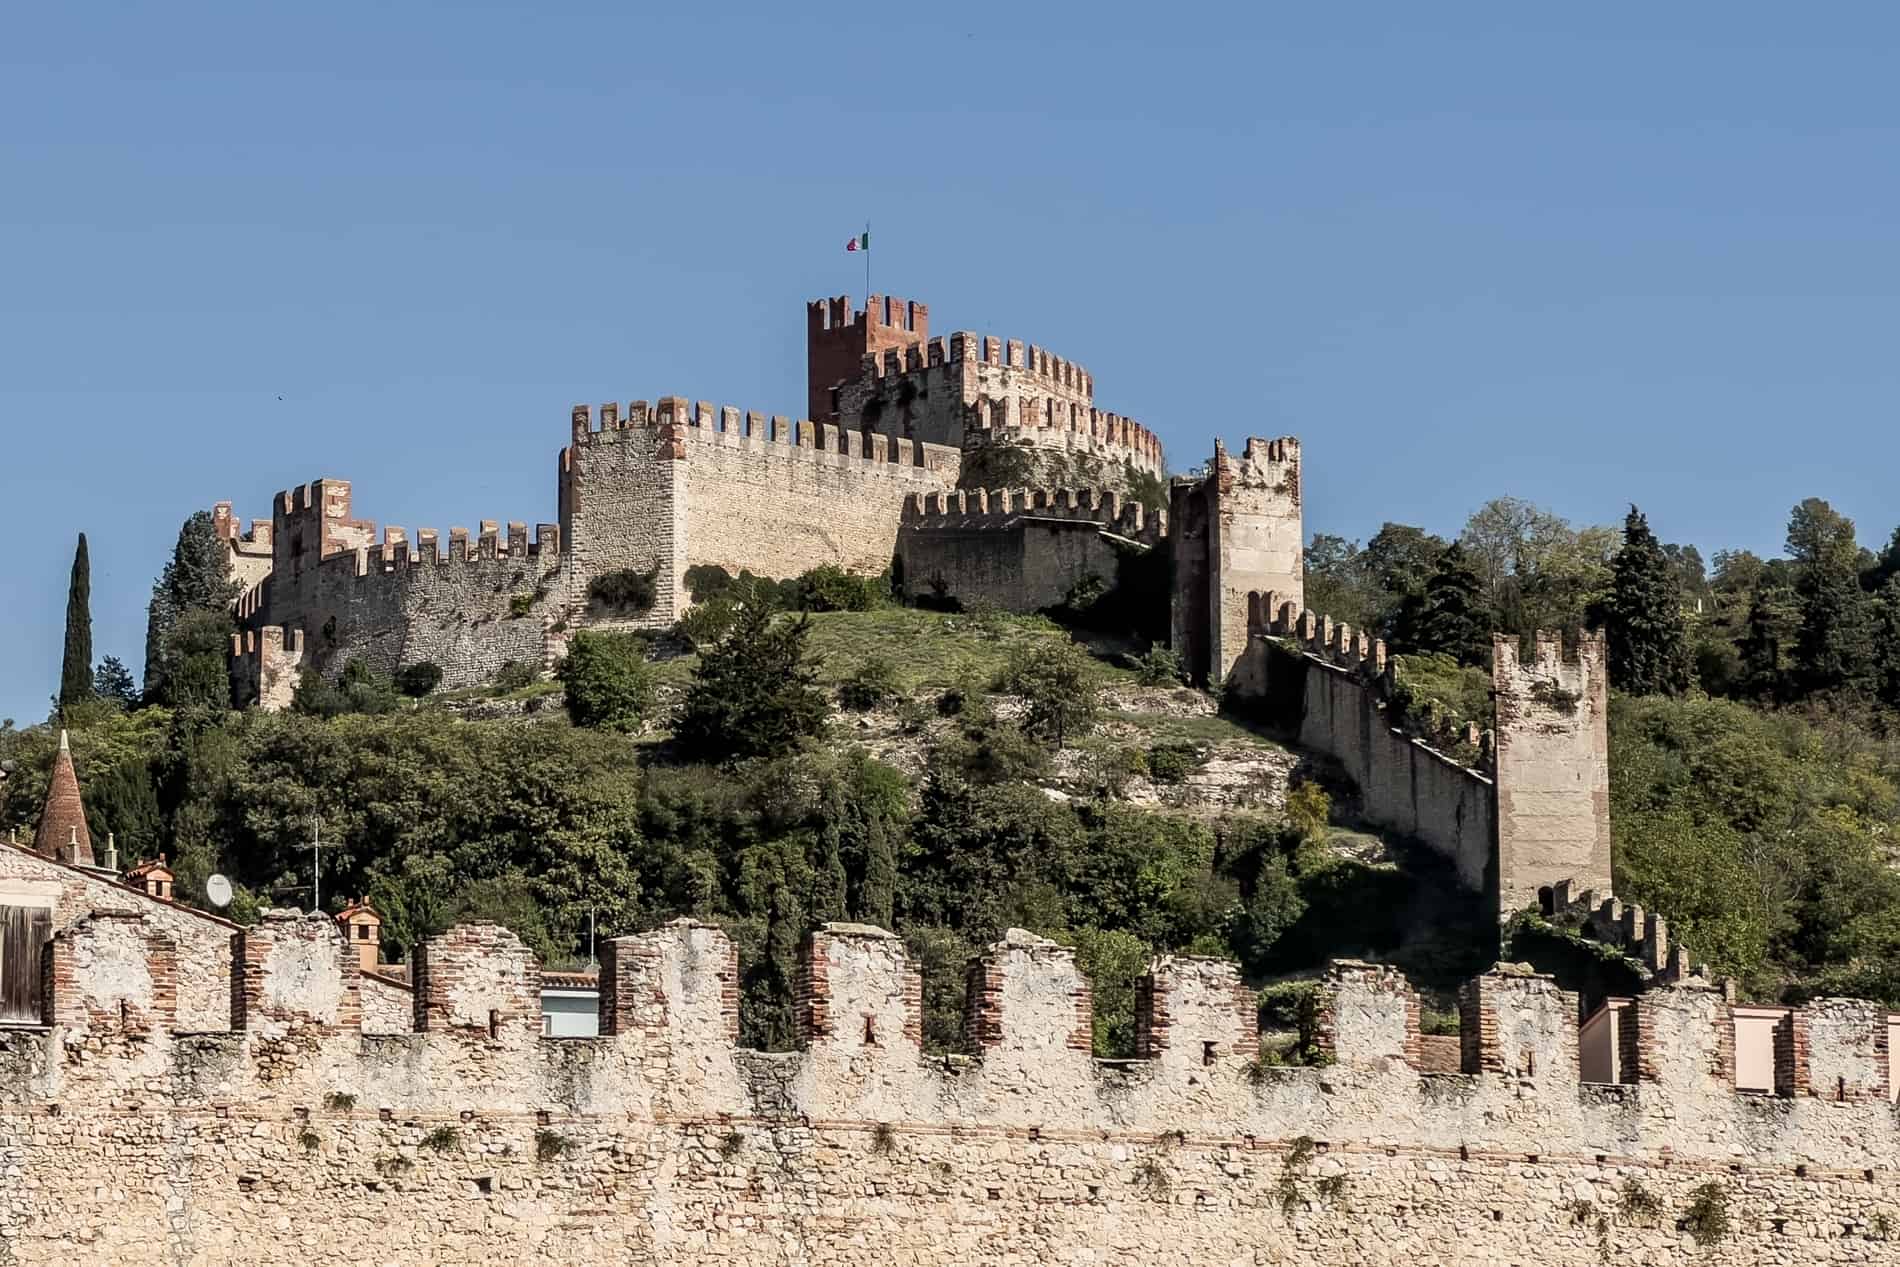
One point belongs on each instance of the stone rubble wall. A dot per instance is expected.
(662, 1142)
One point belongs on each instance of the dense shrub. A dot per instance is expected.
(873, 683)
(516, 675)
(608, 683)
(1060, 689)
(625, 592)
(359, 689)
(1174, 762)
(419, 679)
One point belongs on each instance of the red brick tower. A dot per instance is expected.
(837, 339)
(62, 833)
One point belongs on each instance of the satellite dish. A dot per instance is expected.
(218, 889)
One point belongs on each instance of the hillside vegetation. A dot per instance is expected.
(945, 774)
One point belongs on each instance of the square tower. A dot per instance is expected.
(837, 339)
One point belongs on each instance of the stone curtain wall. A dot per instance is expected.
(1022, 549)
(1334, 689)
(680, 484)
(663, 1143)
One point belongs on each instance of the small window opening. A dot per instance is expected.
(1840, 1088)
(1207, 1052)
(494, 1023)
(1530, 1064)
(870, 1031)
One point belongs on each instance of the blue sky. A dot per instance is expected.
(1588, 256)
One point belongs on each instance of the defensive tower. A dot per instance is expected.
(838, 338)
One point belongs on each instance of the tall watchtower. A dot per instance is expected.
(838, 338)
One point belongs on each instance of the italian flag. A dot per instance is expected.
(862, 242)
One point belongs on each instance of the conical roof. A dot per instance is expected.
(62, 833)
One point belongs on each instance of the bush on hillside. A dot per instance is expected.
(608, 683)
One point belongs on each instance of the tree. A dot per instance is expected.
(609, 685)
(359, 689)
(754, 694)
(1059, 687)
(197, 578)
(1833, 643)
(1448, 616)
(1763, 646)
(191, 670)
(1642, 616)
(75, 674)
(112, 682)
(1336, 583)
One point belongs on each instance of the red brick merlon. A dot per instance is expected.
(62, 833)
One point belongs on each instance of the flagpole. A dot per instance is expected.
(867, 265)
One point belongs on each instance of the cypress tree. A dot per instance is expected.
(1642, 616)
(1833, 645)
(75, 675)
(1449, 615)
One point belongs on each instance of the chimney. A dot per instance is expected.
(363, 928)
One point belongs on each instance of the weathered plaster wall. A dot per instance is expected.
(662, 1143)
(203, 941)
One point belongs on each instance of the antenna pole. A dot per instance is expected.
(316, 864)
(590, 934)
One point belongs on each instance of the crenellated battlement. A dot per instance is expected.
(680, 423)
(1642, 935)
(1055, 374)
(1357, 652)
(1001, 508)
(669, 1014)
(1193, 1149)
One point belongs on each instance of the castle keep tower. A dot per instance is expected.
(838, 339)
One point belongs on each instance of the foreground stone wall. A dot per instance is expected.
(663, 1143)
(203, 941)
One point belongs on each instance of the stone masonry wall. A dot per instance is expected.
(1238, 531)
(662, 1143)
(1021, 549)
(679, 484)
(1553, 763)
(977, 392)
(1335, 682)
(203, 941)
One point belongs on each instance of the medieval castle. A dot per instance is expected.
(972, 466)
(175, 1088)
